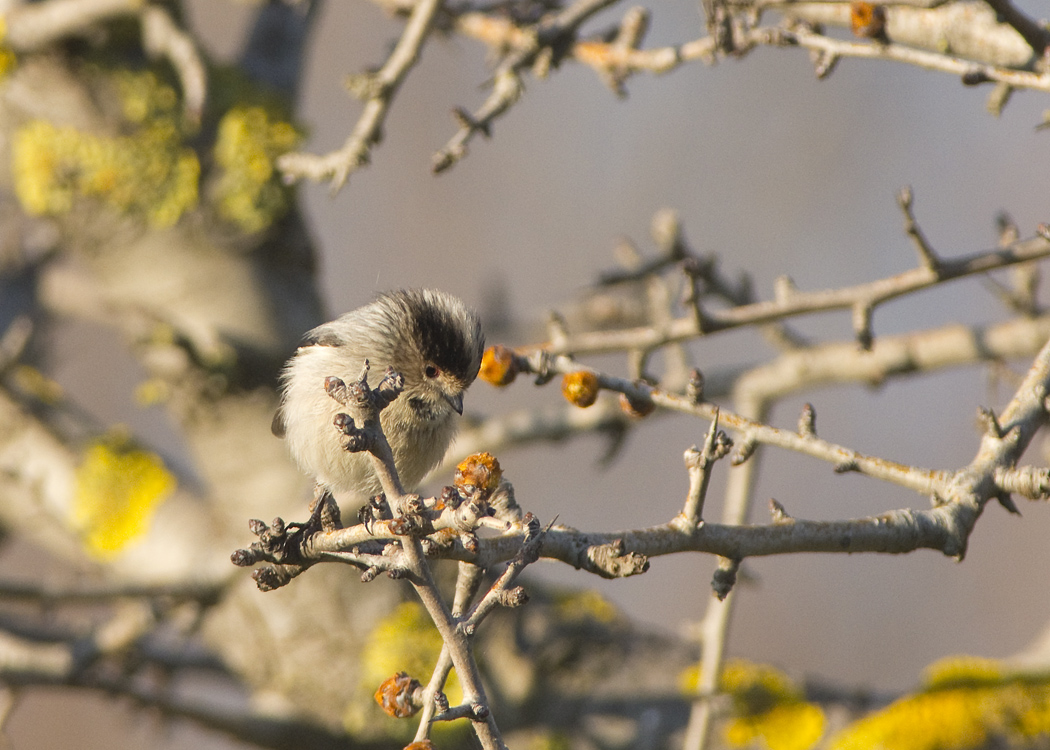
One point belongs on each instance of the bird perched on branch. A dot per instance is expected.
(430, 337)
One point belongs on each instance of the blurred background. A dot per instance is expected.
(778, 173)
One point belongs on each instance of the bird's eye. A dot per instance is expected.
(431, 371)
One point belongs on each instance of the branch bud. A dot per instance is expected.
(580, 388)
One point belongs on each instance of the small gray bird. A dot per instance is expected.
(430, 337)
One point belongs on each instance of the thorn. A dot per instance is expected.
(1007, 501)
(862, 313)
(989, 423)
(783, 288)
(779, 515)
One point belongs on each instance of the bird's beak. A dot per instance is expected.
(456, 402)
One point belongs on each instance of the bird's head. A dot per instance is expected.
(439, 351)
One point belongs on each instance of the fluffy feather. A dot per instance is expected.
(430, 337)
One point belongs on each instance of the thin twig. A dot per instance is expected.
(32, 26)
(837, 362)
(699, 464)
(969, 71)
(379, 91)
(911, 227)
(161, 37)
(714, 627)
(797, 302)
(507, 78)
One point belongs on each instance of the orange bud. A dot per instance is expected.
(867, 19)
(480, 471)
(421, 745)
(498, 366)
(394, 696)
(580, 388)
(636, 407)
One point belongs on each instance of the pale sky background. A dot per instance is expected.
(778, 173)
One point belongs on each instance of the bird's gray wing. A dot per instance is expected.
(324, 335)
(327, 334)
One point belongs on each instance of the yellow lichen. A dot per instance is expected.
(249, 192)
(33, 382)
(404, 641)
(955, 671)
(550, 740)
(579, 606)
(144, 97)
(768, 709)
(148, 173)
(152, 391)
(788, 726)
(118, 490)
(689, 679)
(144, 170)
(968, 703)
(8, 61)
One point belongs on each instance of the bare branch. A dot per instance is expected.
(970, 72)
(793, 302)
(699, 464)
(904, 355)
(162, 38)
(556, 30)
(926, 253)
(32, 26)
(378, 91)
(966, 32)
(1037, 36)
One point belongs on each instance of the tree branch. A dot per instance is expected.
(378, 90)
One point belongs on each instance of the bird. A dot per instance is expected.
(430, 337)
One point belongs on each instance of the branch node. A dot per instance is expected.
(862, 315)
(1007, 502)
(465, 120)
(778, 514)
(366, 85)
(694, 389)
(989, 423)
(975, 77)
(399, 696)
(724, 577)
(744, 450)
(807, 421)
(1027, 481)
(783, 289)
(927, 256)
(998, 99)
(824, 63)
